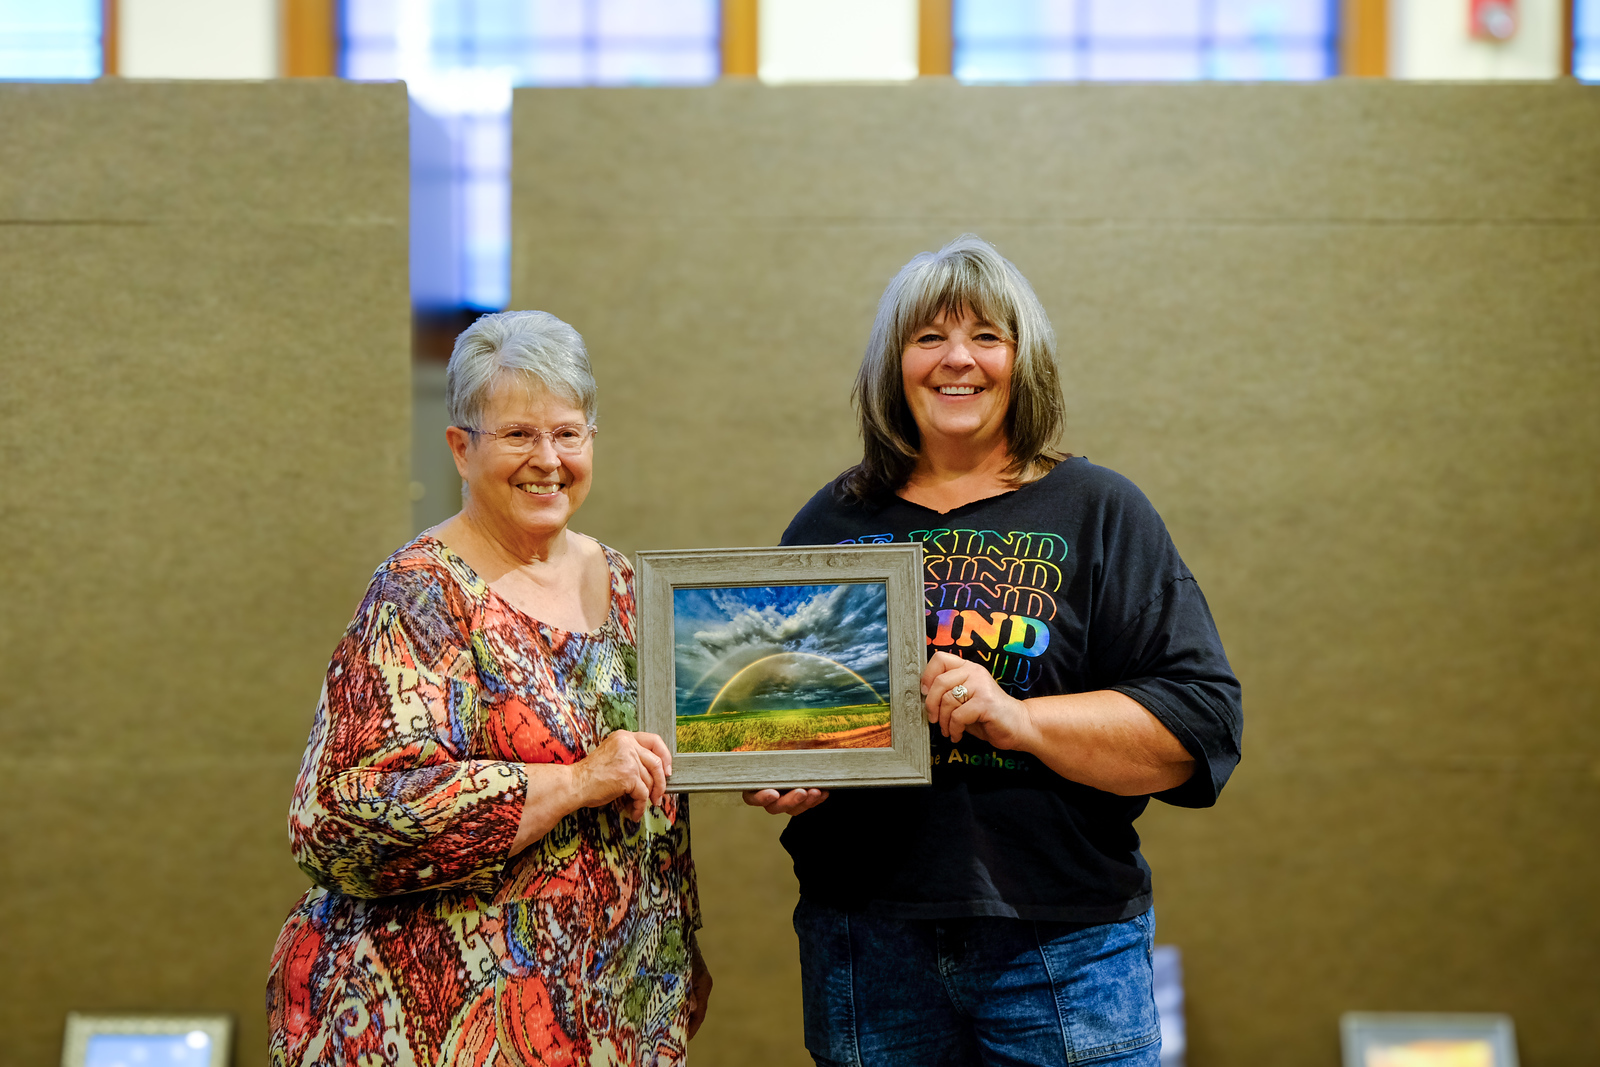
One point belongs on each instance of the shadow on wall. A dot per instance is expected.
(435, 486)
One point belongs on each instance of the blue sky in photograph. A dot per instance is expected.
(774, 647)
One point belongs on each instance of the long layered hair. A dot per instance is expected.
(967, 274)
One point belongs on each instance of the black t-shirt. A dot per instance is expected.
(1069, 584)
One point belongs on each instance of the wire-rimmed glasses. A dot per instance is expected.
(523, 440)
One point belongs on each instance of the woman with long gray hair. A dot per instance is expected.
(1003, 916)
(500, 877)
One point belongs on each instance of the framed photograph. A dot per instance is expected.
(784, 667)
(1404, 1039)
(147, 1041)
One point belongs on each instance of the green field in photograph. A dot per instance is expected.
(763, 730)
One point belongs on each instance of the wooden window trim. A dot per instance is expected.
(741, 41)
(108, 38)
(935, 38)
(1364, 38)
(310, 38)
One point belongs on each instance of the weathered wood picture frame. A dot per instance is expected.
(92, 1040)
(838, 583)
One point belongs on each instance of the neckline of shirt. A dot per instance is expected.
(611, 624)
(988, 499)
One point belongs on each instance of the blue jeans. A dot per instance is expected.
(923, 992)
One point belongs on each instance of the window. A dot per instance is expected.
(1586, 40)
(1145, 40)
(49, 39)
(460, 59)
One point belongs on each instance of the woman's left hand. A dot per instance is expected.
(987, 712)
(699, 990)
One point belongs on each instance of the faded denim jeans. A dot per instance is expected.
(951, 992)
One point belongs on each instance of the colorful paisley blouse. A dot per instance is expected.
(425, 943)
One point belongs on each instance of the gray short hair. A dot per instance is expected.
(966, 274)
(532, 347)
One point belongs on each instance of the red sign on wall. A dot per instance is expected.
(1493, 20)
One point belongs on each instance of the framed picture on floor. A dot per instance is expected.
(1406, 1039)
(147, 1040)
(784, 667)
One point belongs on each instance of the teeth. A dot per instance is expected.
(957, 390)
(537, 489)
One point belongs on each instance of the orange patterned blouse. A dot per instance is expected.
(426, 943)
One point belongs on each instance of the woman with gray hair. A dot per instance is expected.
(500, 877)
(1003, 916)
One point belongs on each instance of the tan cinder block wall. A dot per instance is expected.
(204, 424)
(1347, 338)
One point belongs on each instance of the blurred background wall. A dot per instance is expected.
(1343, 335)
(204, 414)
(1359, 338)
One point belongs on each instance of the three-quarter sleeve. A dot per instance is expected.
(1170, 660)
(387, 801)
(1153, 639)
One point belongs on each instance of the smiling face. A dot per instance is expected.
(956, 372)
(532, 495)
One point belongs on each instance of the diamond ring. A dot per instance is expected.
(961, 693)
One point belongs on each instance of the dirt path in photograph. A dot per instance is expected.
(862, 737)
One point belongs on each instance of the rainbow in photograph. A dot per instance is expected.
(768, 667)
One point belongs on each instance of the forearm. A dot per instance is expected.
(627, 766)
(554, 792)
(1106, 740)
(365, 834)
(372, 832)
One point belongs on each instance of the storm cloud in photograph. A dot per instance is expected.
(763, 648)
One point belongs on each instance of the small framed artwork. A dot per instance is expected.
(147, 1041)
(1405, 1039)
(784, 667)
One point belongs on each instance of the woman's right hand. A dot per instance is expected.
(779, 803)
(626, 764)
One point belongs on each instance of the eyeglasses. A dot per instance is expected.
(523, 440)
